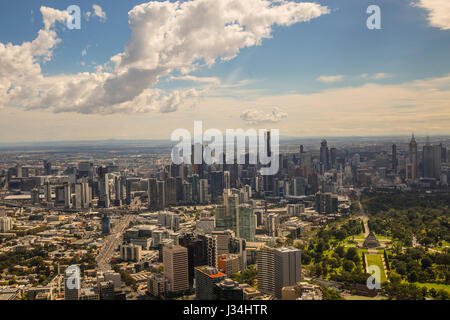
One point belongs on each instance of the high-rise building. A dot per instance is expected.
(86, 169)
(161, 191)
(272, 224)
(333, 155)
(216, 178)
(278, 268)
(187, 193)
(411, 163)
(300, 185)
(48, 192)
(171, 189)
(227, 214)
(106, 290)
(432, 161)
(106, 225)
(265, 259)
(120, 190)
(197, 253)
(130, 252)
(72, 287)
(152, 194)
(326, 203)
(246, 223)
(227, 181)
(324, 157)
(47, 167)
(394, 158)
(169, 220)
(6, 224)
(443, 153)
(157, 285)
(103, 188)
(205, 280)
(196, 188)
(35, 196)
(203, 191)
(175, 260)
(287, 268)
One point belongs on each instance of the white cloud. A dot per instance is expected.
(167, 37)
(330, 79)
(438, 12)
(254, 116)
(212, 80)
(97, 12)
(380, 76)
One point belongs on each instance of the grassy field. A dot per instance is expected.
(375, 259)
(436, 286)
(364, 298)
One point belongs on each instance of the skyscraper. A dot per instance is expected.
(278, 268)
(203, 191)
(216, 178)
(103, 187)
(72, 287)
(411, 163)
(265, 259)
(47, 167)
(287, 268)
(333, 155)
(324, 157)
(226, 180)
(152, 194)
(432, 160)
(394, 158)
(226, 214)
(161, 191)
(205, 280)
(175, 260)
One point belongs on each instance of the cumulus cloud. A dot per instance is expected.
(438, 12)
(330, 79)
(212, 80)
(167, 37)
(254, 116)
(97, 12)
(380, 76)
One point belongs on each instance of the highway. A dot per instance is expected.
(111, 242)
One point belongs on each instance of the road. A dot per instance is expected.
(111, 242)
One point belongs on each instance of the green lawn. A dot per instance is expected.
(364, 298)
(436, 286)
(375, 259)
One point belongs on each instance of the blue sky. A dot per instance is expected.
(338, 44)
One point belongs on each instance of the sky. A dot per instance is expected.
(140, 70)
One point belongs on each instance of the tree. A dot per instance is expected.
(352, 254)
(443, 294)
(426, 262)
(340, 251)
(412, 277)
(348, 265)
(306, 259)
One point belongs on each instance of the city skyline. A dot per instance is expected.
(297, 70)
